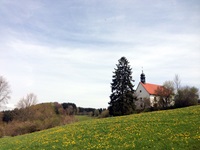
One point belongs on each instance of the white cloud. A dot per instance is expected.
(67, 51)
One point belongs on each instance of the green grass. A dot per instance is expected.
(83, 117)
(171, 129)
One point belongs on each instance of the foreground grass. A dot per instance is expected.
(172, 129)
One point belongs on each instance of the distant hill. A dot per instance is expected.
(169, 129)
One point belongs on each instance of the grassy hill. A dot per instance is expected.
(171, 129)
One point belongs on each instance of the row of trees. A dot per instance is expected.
(33, 118)
(72, 109)
(186, 96)
(34, 112)
(123, 97)
(90, 111)
(172, 92)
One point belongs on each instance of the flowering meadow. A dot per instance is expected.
(170, 129)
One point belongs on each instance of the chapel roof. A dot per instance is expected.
(151, 88)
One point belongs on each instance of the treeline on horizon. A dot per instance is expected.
(72, 109)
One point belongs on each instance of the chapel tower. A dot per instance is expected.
(142, 78)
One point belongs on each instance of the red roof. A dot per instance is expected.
(151, 88)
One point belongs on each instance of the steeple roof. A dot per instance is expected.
(142, 77)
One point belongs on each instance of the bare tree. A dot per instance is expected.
(165, 93)
(30, 99)
(169, 85)
(177, 82)
(4, 90)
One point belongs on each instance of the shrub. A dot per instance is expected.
(19, 128)
(51, 122)
(7, 116)
(1, 131)
(104, 114)
(68, 119)
(70, 108)
(96, 113)
(186, 96)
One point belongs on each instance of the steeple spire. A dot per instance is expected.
(142, 77)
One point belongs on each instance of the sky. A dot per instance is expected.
(66, 51)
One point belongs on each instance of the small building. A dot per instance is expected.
(146, 94)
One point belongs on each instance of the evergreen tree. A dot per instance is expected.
(122, 100)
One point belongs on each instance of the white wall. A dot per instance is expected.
(141, 94)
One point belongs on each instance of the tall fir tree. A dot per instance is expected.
(122, 100)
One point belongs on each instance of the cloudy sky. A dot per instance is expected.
(66, 51)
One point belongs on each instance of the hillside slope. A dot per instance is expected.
(171, 129)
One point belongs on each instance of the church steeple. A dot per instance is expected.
(142, 77)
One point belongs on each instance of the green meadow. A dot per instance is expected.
(161, 130)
